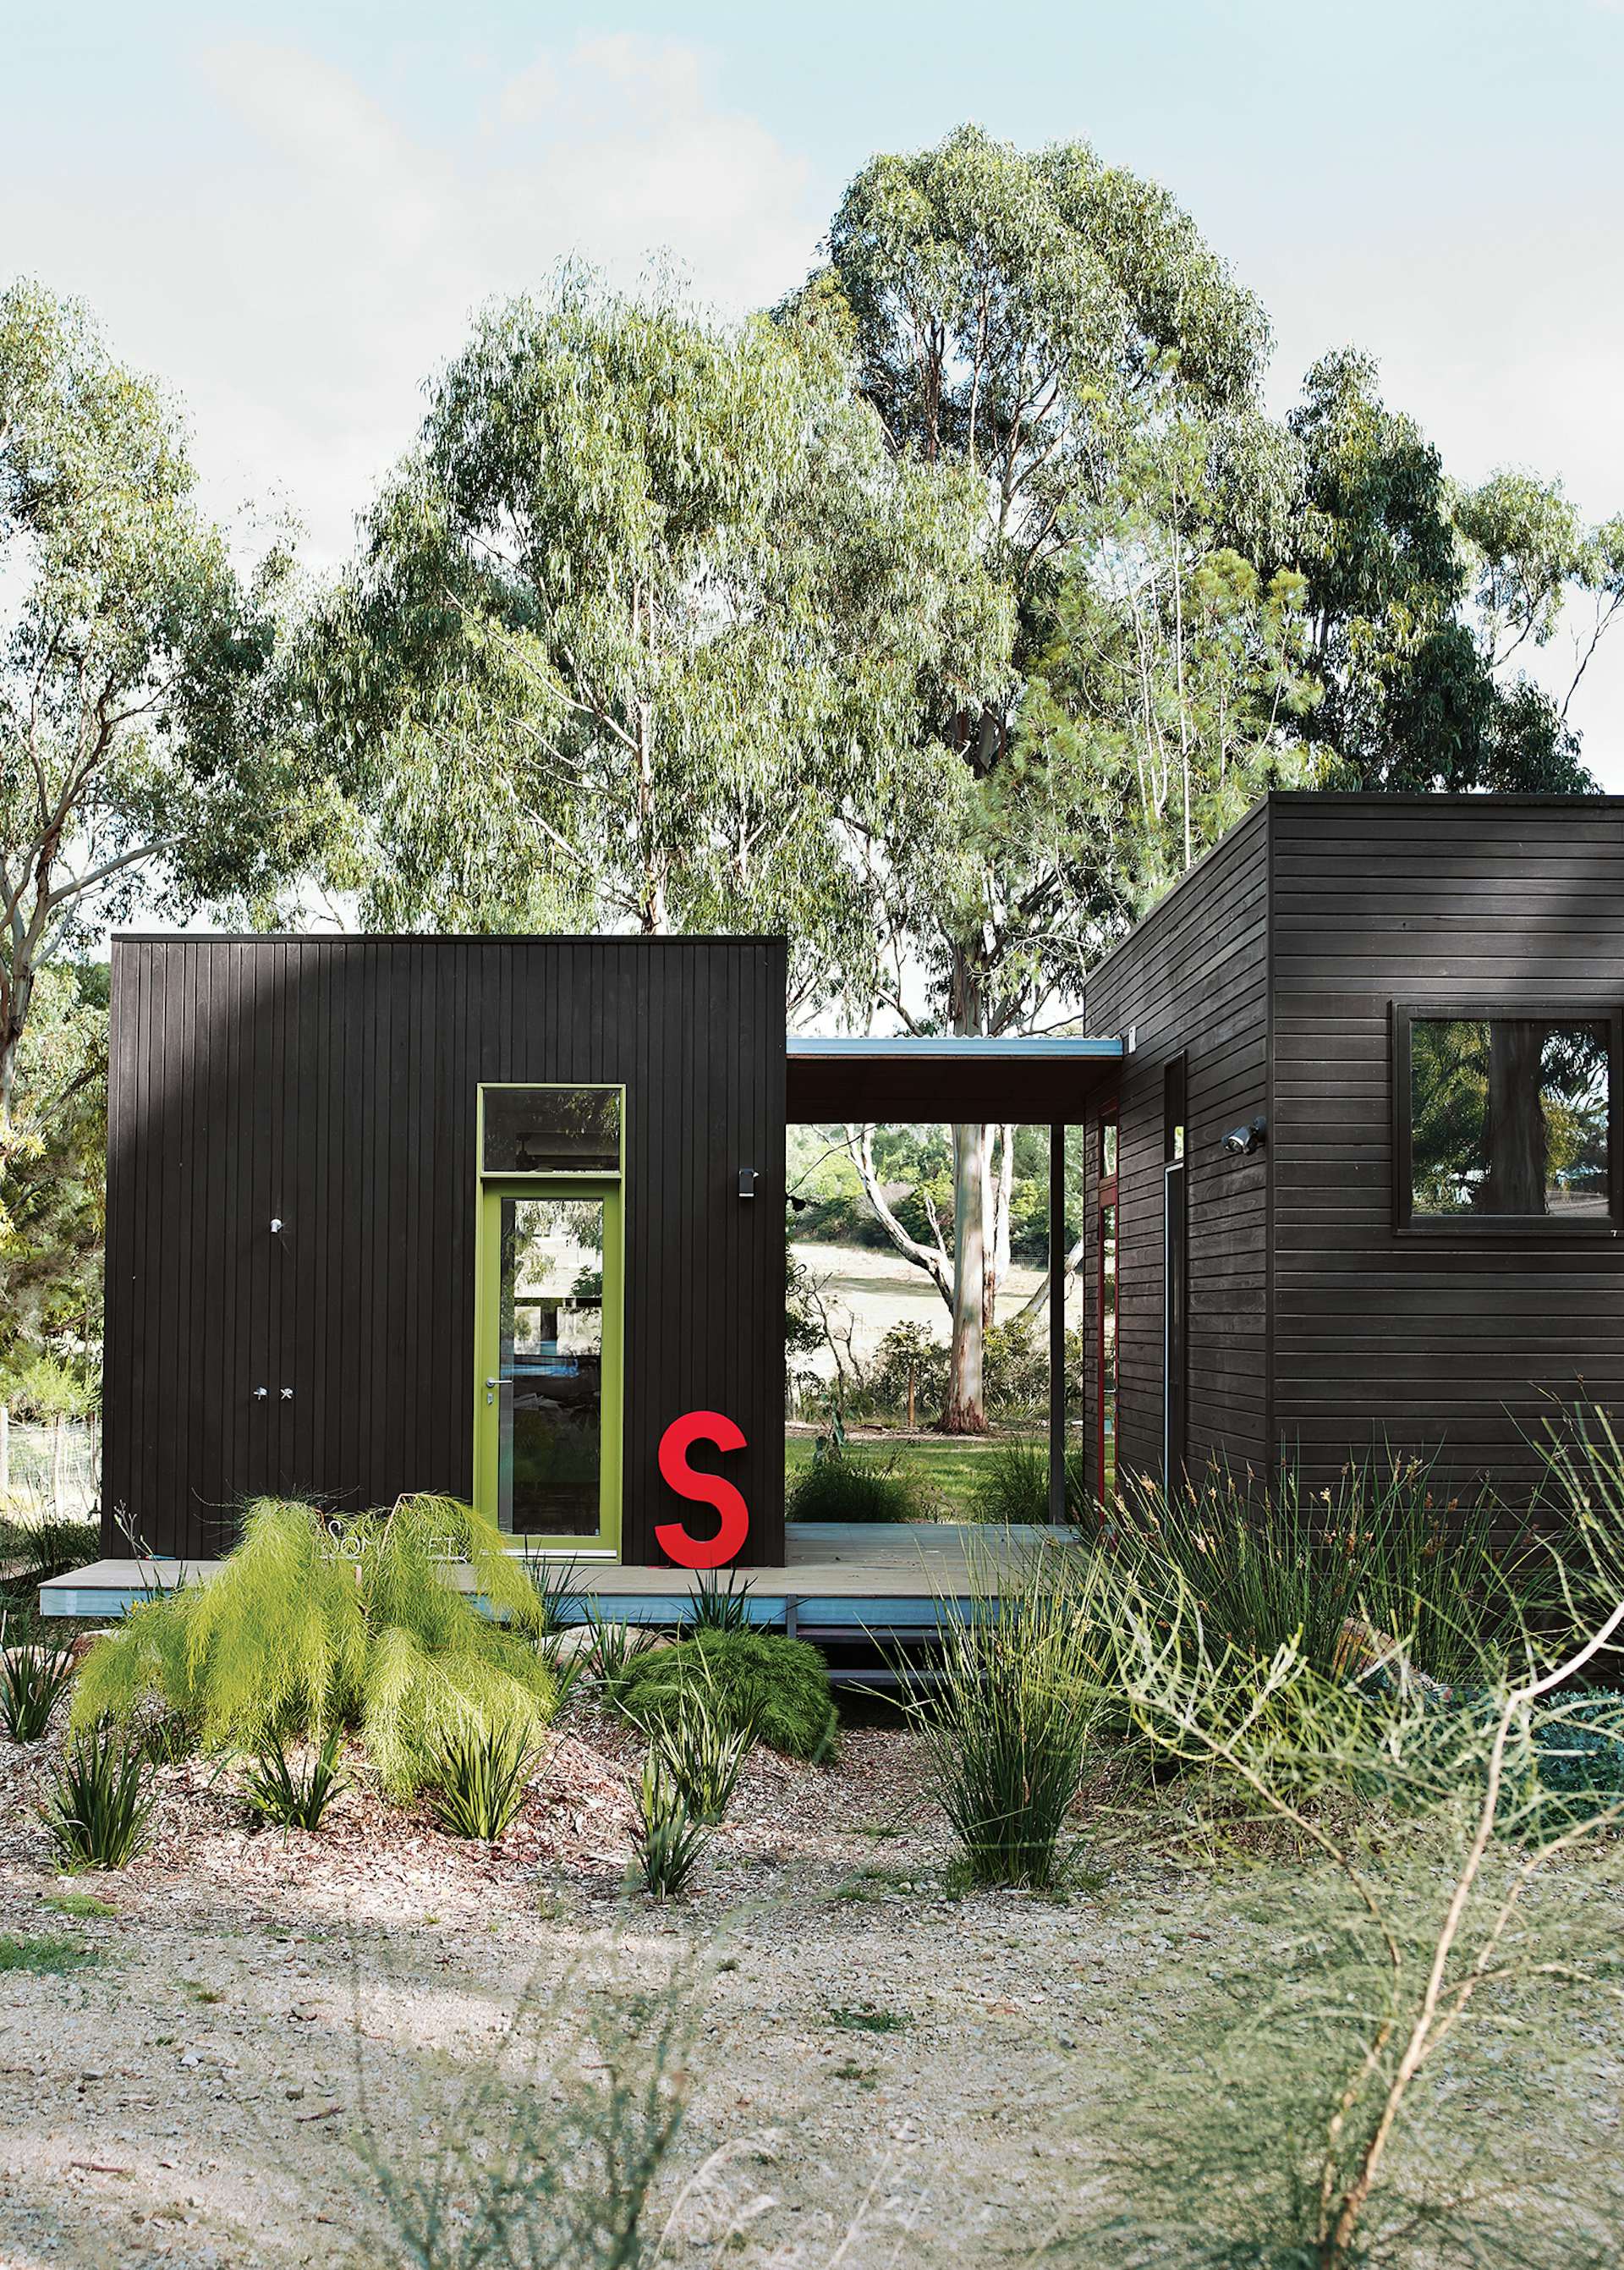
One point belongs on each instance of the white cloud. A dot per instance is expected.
(299, 285)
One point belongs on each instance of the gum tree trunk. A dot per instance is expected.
(966, 1411)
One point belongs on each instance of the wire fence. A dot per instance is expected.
(53, 1469)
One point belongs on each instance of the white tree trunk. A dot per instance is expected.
(966, 1412)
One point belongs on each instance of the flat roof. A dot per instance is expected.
(1045, 1079)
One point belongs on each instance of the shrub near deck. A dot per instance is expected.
(777, 1687)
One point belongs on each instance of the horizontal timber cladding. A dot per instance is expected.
(1458, 1346)
(1191, 979)
(330, 1084)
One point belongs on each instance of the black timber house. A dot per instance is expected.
(503, 1217)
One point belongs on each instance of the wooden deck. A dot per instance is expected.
(843, 1580)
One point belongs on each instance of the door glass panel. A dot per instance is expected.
(551, 1384)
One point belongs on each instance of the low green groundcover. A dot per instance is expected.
(779, 1687)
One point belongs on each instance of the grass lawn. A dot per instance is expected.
(948, 1466)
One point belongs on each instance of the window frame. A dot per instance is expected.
(1407, 1221)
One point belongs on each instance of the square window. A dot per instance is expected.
(1506, 1121)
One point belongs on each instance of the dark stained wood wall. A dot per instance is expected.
(1446, 1344)
(1192, 977)
(331, 1082)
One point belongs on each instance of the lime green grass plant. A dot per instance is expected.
(310, 1625)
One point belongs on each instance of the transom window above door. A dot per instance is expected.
(550, 1130)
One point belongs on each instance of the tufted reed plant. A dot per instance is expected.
(282, 1795)
(308, 1626)
(1447, 1939)
(668, 1842)
(99, 1813)
(32, 1681)
(1380, 1552)
(702, 1748)
(478, 1780)
(1007, 1727)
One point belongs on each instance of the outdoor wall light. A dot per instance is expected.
(746, 1182)
(1240, 1142)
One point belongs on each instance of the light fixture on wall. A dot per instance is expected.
(746, 1182)
(1240, 1142)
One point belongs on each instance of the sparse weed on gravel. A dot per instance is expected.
(79, 1903)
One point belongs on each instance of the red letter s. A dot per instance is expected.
(705, 1489)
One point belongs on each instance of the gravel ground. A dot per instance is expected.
(261, 2013)
(880, 2073)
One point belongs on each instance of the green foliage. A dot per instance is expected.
(669, 1842)
(279, 1793)
(33, 1680)
(1007, 1727)
(43, 1549)
(301, 1631)
(1011, 1485)
(854, 1485)
(714, 1606)
(1415, 697)
(46, 1954)
(138, 754)
(83, 1904)
(648, 613)
(778, 1687)
(1578, 1755)
(700, 1749)
(100, 1811)
(479, 1779)
(1269, 1568)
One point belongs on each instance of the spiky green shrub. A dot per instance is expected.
(1007, 1725)
(758, 1680)
(32, 1682)
(279, 1793)
(668, 1842)
(1011, 1485)
(703, 1753)
(479, 1780)
(100, 1811)
(300, 1632)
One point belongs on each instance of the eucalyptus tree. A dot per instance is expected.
(1026, 320)
(1424, 600)
(641, 634)
(138, 765)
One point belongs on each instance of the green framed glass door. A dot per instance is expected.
(547, 1389)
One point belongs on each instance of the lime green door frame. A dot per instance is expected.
(492, 1191)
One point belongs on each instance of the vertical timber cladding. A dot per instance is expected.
(329, 1084)
(1193, 977)
(1452, 1346)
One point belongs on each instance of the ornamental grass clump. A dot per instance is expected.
(308, 1626)
(703, 1753)
(33, 1681)
(99, 1814)
(282, 1795)
(1377, 1554)
(778, 1688)
(668, 1842)
(1006, 1728)
(479, 1779)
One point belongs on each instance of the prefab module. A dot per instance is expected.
(504, 1217)
(1359, 1186)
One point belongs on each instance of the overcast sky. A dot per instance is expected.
(290, 214)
